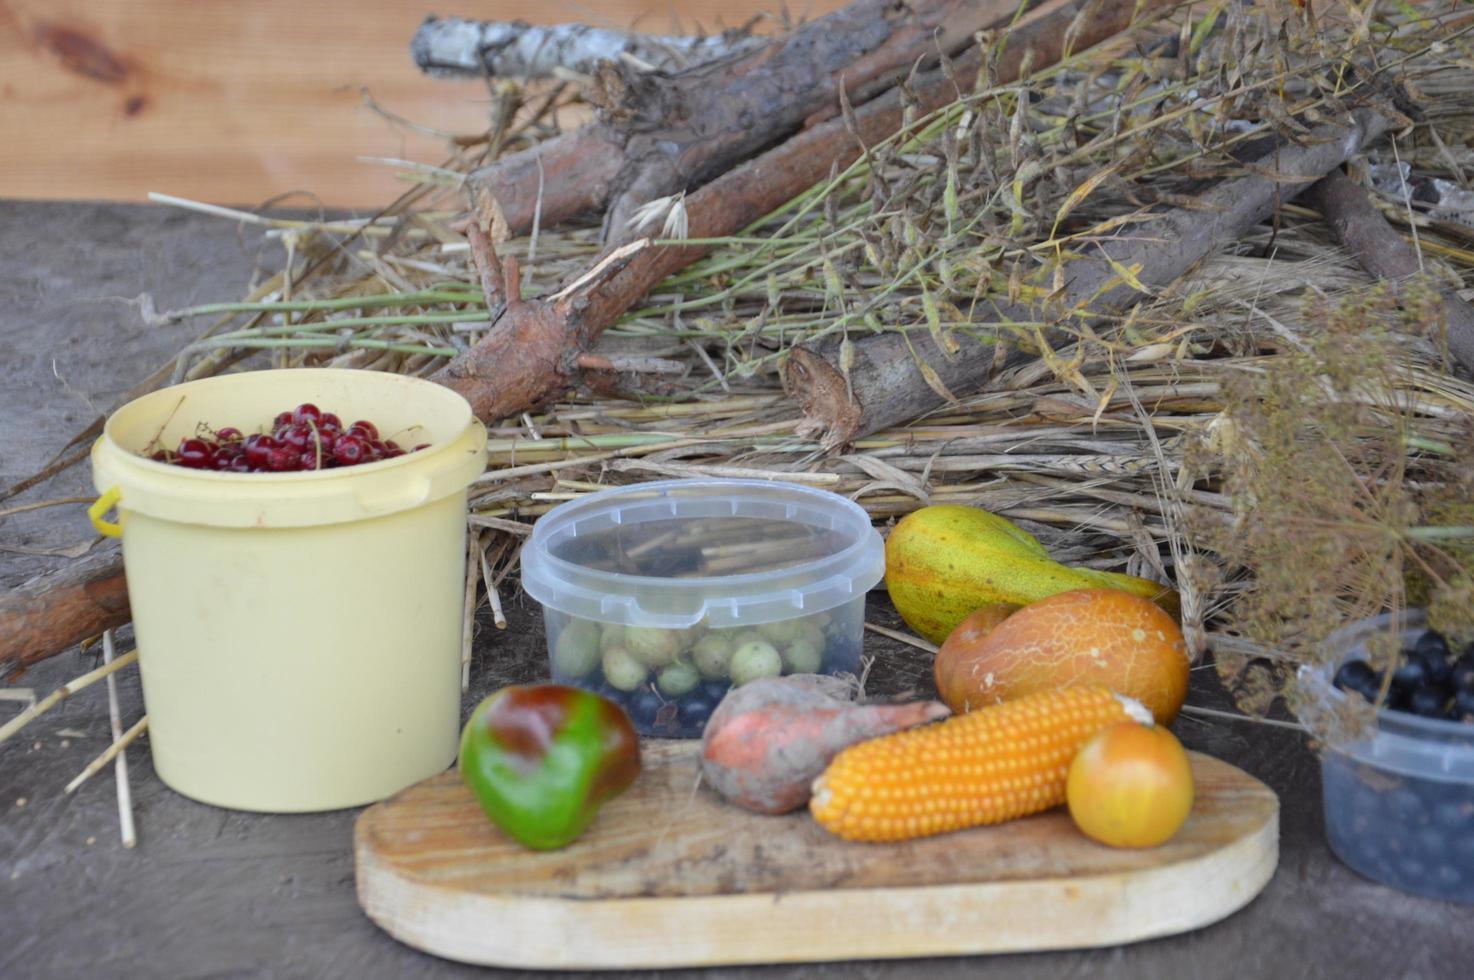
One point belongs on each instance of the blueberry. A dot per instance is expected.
(1357, 675)
(1438, 668)
(1462, 705)
(1462, 674)
(1406, 808)
(643, 706)
(1429, 700)
(1447, 878)
(1399, 699)
(714, 690)
(1455, 815)
(1463, 851)
(1434, 844)
(1412, 871)
(695, 710)
(1411, 674)
(1431, 645)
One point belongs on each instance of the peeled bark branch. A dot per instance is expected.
(531, 355)
(454, 46)
(886, 384)
(1366, 234)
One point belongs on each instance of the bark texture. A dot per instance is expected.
(1382, 252)
(886, 386)
(661, 133)
(49, 614)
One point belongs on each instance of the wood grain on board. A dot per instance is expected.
(670, 875)
(237, 102)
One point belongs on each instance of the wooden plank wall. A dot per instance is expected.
(237, 101)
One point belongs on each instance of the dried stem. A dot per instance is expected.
(62, 693)
(108, 754)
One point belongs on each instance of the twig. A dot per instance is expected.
(42, 504)
(1189, 709)
(115, 722)
(107, 756)
(630, 363)
(906, 638)
(491, 595)
(500, 524)
(62, 693)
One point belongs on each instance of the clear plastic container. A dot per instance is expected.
(662, 596)
(1399, 800)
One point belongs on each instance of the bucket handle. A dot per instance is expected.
(101, 506)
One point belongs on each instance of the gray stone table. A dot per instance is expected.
(212, 893)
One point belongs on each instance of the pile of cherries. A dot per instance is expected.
(306, 438)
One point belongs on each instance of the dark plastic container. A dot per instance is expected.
(1399, 800)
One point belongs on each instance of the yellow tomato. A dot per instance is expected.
(1130, 786)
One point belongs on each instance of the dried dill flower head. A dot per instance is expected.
(1344, 506)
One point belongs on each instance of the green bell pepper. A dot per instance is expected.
(542, 759)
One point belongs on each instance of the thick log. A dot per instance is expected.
(886, 385)
(557, 180)
(50, 613)
(531, 355)
(1366, 234)
(667, 132)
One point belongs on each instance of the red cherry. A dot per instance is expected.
(195, 454)
(228, 434)
(308, 460)
(330, 422)
(160, 456)
(368, 429)
(285, 418)
(423, 445)
(282, 459)
(258, 448)
(306, 411)
(239, 465)
(350, 451)
(295, 436)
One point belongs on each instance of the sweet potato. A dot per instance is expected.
(769, 740)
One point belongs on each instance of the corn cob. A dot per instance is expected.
(987, 766)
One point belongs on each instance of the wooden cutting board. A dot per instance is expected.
(669, 875)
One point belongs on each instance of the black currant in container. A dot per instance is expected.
(664, 596)
(1399, 798)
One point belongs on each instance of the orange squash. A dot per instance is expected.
(1089, 636)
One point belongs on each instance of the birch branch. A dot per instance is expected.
(454, 46)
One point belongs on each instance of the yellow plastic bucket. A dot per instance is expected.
(299, 634)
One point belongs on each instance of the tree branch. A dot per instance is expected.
(1366, 234)
(886, 384)
(454, 46)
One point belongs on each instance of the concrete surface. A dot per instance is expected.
(211, 893)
